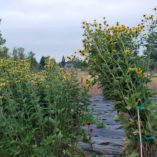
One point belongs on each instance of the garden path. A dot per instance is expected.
(107, 141)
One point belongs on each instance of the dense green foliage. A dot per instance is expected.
(42, 108)
(40, 114)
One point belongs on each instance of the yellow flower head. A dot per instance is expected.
(139, 71)
(65, 76)
(82, 53)
(94, 60)
(130, 70)
(87, 82)
(127, 52)
(68, 58)
(2, 85)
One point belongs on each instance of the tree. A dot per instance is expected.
(33, 62)
(151, 49)
(42, 62)
(78, 63)
(3, 49)
(4, 52)
(19, 53)
(63, 62)
(15, 54)
(2, 41)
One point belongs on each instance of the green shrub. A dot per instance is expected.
(42, 116)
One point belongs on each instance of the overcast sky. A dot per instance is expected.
(53, 27)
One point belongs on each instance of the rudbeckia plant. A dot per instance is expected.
(115, 60)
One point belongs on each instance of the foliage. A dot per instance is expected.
(4, 52)
(100, 124)
(3, 49)
(113, 57)
(40, 113)
(79, 63)
(42, 62)
(19, 53)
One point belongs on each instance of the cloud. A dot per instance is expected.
(53, 27)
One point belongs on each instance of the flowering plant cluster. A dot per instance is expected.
(41, 113)
(113, 56)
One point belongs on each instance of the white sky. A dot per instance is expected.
(53, 27)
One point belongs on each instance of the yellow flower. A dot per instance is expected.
(139, 71)
(82, 53)
(127, 52)
(130, 70)
(94, 60)
(151, 17)
(114, 51)
(87, 82)
(65, 76)
(85, 62)
(2, 85)
(89, 50)
(62, 72)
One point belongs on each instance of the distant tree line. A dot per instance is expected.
(151, 50)
(20, 54)
(75, 61)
